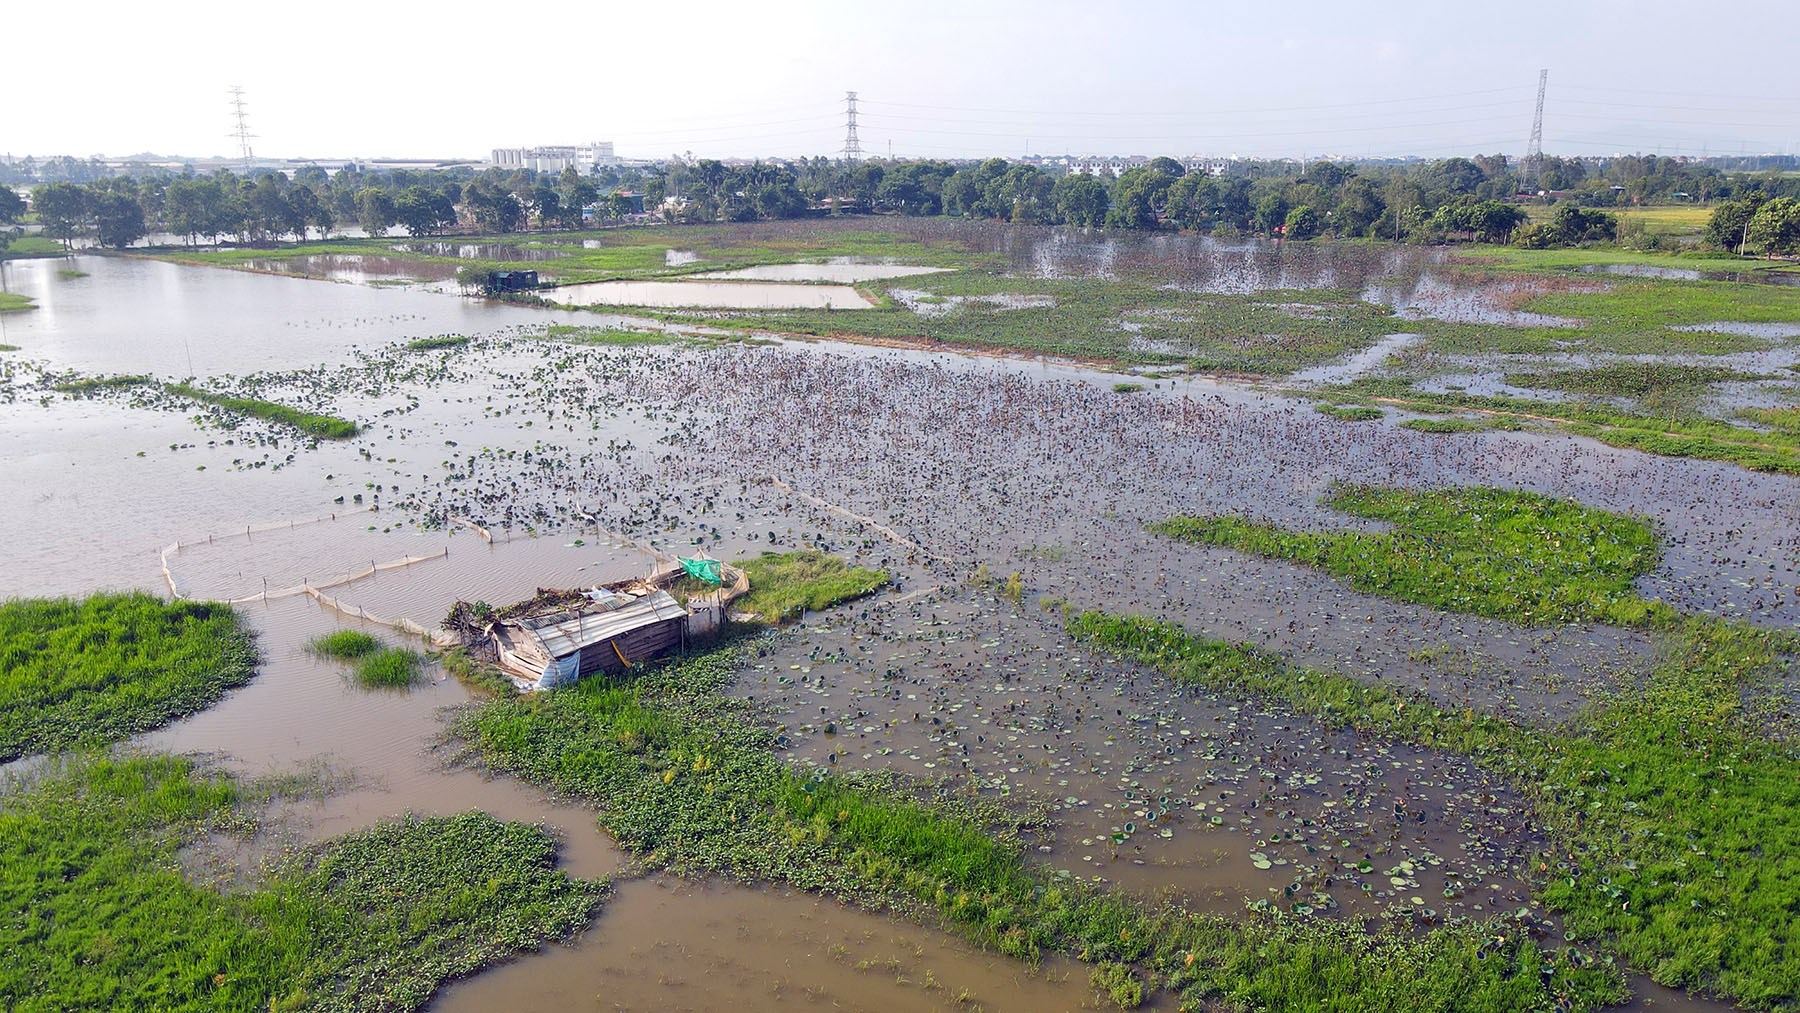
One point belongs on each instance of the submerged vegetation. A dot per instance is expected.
(328, 426)
(682, 776)
(1775, 450)
(373, 921)
(1675, 817)
(84, 672)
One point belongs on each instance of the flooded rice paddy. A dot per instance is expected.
(926, 465)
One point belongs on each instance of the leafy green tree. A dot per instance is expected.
(1080, 200)
(375, 210)
(1193, 202)
(310, 210)
(1728, 226)
(423, 212)
(1271, 212)
(1775, 228)
(12, 206)
(118, 220)
(1303, 222)
(63, 209)
(1359, 208)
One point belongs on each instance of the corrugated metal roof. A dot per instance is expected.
(565, 638)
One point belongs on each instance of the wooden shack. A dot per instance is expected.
(561, 637)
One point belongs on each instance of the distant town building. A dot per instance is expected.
(557, 157)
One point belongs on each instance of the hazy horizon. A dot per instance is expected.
(937, 80)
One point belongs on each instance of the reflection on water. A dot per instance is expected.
(708, 295)
(839, 270)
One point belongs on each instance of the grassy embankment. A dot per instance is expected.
(683, 775)
(1674, 817)
(372, 663)
(1776, 449)
(78, 673)
(327, 426)
(100, 916)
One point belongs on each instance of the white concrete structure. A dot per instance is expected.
(555, 158)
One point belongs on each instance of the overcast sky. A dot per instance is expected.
(327, 79)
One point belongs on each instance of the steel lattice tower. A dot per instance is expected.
(242, 133)
(852, 147)
(1534, 151)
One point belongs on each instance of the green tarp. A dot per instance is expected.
(705, 569)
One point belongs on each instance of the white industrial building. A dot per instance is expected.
(555, 158)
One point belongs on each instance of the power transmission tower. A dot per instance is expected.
(242, 133)
(852, 146)
(1534, 151)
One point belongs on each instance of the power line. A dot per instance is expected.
(1117, 113)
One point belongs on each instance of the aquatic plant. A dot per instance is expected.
(88, 385)
(1120, 983)
(373, 921)
(438, 343)
(344, 644)
(328, 426)
(1352, 413)
(388, 668)
(1494, 552)
(80, 672)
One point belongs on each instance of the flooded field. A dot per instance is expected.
(517, 462)
(709, 295)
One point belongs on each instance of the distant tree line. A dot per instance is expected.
(1479, 200)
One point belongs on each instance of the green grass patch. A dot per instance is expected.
(327, 426)
(31, 248)
(373, 663)
(1494, 552)
(1352, 413)
(8, 348)
(99, 915)
(88, 386)
(438, 343)
(682, 776)
(344, 645)
(577, 335)
(389, 668)
(70, 273)
(785, 584)
(95, 670)
(1454, 425)
(1785, 420)
(1127, 388)
(13, 302)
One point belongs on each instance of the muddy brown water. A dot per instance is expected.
(1033, 466)
(667, 944)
